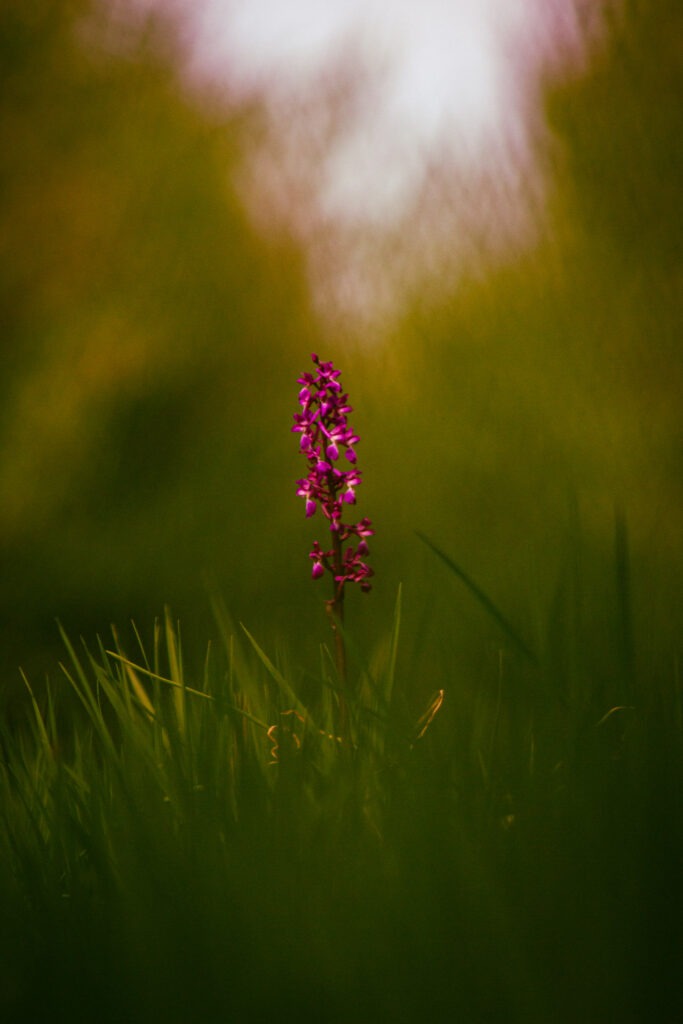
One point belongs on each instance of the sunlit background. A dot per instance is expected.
(401, 142)
(473, 208)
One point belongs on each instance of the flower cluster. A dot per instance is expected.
(325, 434)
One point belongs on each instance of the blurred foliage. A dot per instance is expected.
(530, 425)
(541, 402)
(151, 340)
(145, 327)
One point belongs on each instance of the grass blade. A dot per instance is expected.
(483, 599)
(275, 674)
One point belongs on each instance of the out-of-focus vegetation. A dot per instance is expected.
(542, 401)
(521, 860)
(151, 340)
(147, 338)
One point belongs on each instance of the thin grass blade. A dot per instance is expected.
(483, 598)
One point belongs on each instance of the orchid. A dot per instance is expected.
(325, 434)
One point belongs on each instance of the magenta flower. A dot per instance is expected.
(325, 434)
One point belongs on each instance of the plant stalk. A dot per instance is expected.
(335, 609)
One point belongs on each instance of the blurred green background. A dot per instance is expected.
(151, 340)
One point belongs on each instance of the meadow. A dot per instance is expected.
(207, 813)
(191, 839)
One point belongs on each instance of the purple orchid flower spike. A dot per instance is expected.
(325, 436)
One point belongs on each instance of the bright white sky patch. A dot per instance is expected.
(440, 81)
(448, 83)
(451, 74)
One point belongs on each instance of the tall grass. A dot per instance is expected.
(199, 844)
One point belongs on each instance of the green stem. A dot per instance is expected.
(335, 609)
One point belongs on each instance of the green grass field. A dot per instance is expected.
(198, 844)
